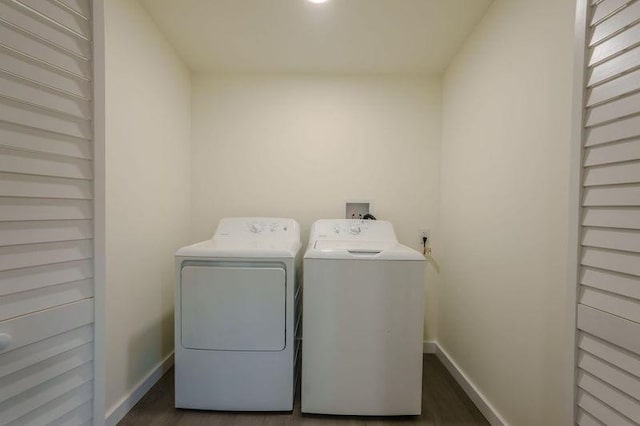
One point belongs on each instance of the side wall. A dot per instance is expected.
(148, 103)
(300, 145)
(505, 174)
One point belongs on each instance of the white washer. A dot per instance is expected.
(236, 307)
(362, 322)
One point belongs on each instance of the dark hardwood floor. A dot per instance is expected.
(443, 403)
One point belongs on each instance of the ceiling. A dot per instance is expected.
(341, 36)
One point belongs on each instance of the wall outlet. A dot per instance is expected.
(425, 233)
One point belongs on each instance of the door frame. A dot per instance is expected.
(99, 344)
(575, 197)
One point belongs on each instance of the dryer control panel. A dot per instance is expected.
(257, 227)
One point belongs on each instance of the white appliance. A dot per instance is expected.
(362, 321)
(236, 317)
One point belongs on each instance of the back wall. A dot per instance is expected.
(300, 145)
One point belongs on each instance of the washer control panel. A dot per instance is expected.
(353, 229)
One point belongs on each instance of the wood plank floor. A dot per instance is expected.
(443, 403)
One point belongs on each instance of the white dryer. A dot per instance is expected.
(362, 321)
(236, 306)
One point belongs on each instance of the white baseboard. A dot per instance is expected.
(429, 347)
(480, 401)
(117, 412)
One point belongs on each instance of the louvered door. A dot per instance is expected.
(607, 353)
(46, 213)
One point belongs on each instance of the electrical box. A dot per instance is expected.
(357, 209)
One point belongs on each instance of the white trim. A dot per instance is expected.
(429, 347)
(99, 318)
(480, 401)
(575, 196)
(121, 409)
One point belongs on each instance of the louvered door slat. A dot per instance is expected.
(31, 278)
(41, 325)
(619, 306)
(26, 162)
(612, 217)
(616, 23)
(28, 402)
(618, 261)
(23, 256)
(43, 73)
(613, 174)
(16, 39)
(612, 354)
(47, 282)
(608, 327)
(34, 353)
(33, 93)
(81, 7)
(618, 87)
(613, 282)
(28, 378)
(23, 303)
(39, 118)
(585, 419)
(32, 140)
(79, 416)
(64, 18)
(13, 233)
(613, 153)
(20, 209)
(71, 409)
(610, 374)
(618, 400)
(615, 45)
(623, 195)
(602, 412)
(606, 8)
(619, 108)
(23, 185)
(43, 28)
(618, 130)
(615, 239)
(619, 65)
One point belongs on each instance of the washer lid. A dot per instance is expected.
(357, 240)
(361, 250)
(249, 237)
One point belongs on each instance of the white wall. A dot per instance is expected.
(148, 100)
(298, 146)
(505, 173)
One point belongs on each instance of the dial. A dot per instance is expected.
(255, 227)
